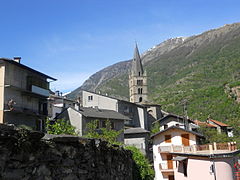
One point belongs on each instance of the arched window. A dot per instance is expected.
(139, 90)
(139, 73)
(140, 99)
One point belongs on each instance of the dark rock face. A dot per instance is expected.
(26, 155)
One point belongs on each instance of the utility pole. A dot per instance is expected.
(185, 115)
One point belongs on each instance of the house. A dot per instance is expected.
(221, 127)
(206, 162)
(171, 139)
(80, 118)
(57, 103)
(139, 138)
(137, 113)
(175, 120)
(23, 94)
(205, 124)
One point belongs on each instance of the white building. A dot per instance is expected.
(168, 140)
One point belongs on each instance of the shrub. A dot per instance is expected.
(142, 164)
(60, 126)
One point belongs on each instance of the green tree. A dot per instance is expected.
(155, 128)
(60, 126)
(142, 164)
(107, 133)
(212, 135)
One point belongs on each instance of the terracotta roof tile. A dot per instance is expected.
(218, 123)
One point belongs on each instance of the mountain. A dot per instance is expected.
(200, 70)
(122, 68)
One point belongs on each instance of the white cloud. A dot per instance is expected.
(68, 81)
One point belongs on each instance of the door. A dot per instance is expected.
(185, 139)
(169, 162)
(171, 177)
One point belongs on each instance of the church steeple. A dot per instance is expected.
(137, 69)
(137, 80)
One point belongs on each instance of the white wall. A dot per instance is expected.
(100, 101)
(75, 120)
(137, 142)
(199, 169)
(159, 140)
(141, 117)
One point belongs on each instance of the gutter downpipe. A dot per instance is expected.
(214, 167)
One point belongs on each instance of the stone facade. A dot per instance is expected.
(28, 155)
(138, 92)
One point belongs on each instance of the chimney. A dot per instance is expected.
(17, 59)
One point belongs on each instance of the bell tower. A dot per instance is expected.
(137, 80)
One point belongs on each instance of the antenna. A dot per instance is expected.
(185, 114)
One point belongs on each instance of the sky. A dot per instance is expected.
(72, 39)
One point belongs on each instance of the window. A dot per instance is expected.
(90, 98)
(140, 90)
(165, 126)
(168, 139)
(140, 99)
(139, 73)
(103, 124)
(112, 125)
(139, 82)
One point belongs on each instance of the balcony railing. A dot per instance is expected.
(18, 109)
(207, 148)
(165, 167)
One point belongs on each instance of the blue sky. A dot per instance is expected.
(72, 39)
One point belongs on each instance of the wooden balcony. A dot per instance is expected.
(213, 148)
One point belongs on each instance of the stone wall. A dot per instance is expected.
(31, 155)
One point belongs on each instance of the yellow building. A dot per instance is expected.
(23, 94)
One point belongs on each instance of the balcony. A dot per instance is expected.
(166, 167)
(40, 91)
(22, 110)
(213, 148)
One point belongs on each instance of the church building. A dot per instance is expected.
(137, 80)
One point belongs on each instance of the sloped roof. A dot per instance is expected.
(101, 113)
(26, 67)
(200, 123)
(175, 127)
(172, 115)
(218, 123)
(136, 130)
(137, 63)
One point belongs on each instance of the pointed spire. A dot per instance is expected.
(137, 69)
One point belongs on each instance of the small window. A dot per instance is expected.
(140, 99)
(90, 98)
(168, 139)
(139, 82)
(165, 126)
(139, 73)
(103, 124)
(112, 125)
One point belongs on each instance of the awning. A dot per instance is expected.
(179, 158)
